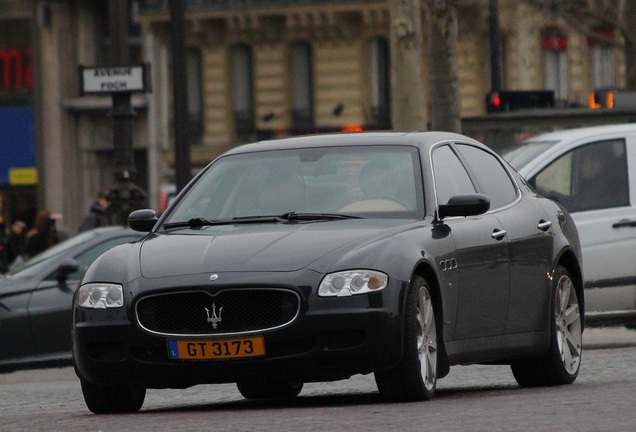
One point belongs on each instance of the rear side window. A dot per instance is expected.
(491, 175)
(590, 177)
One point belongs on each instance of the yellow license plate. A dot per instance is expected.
(208, 349)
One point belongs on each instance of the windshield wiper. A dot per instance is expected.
(286, 217)
(293, 216)
(192, 223)
(201, 222)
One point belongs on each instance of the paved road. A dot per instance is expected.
(471, 398)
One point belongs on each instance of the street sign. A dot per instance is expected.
(114, 79)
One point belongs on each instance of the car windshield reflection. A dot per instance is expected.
(520, 156)
(35, 265)
(342, 182)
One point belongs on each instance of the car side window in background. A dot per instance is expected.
(86, 258)
(491, 175)
(590, 177)
(451, 177)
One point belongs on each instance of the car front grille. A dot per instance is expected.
(227, 312)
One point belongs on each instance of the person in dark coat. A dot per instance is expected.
(4, 240)
(43, 235)
(16, 240)
(4, 247)
(98, 215)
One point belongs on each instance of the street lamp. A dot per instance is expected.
(125, 196)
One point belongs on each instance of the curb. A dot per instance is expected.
(608, 337)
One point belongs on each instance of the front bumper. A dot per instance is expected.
(331, 339)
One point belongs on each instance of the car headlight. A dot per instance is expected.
(351, 282)
(100, 296)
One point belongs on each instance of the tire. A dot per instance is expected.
(259, 388)
(561, 363)
(415, 377)
(107, 400)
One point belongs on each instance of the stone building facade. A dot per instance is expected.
(261, 69)
(273, 68)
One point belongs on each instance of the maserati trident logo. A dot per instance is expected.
(213, 317)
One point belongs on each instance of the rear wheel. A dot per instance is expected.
(105, 400)
(260, 388)
(415, 377)
(560, 365)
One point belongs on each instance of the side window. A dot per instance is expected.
(492, 177)
(591, 177)
(451, 177)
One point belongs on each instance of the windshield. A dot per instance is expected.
(519, 157)
(378, 181)
(41, 261)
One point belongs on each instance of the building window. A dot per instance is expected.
(554, 43)
(603, 59)
(195, 102)
(243, 93)
(380, 83)
(302, 86)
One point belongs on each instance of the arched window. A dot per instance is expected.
(554, 42)
(302, 86)
(603, 59)
(380, 83)
(194, 89)
(243, 93)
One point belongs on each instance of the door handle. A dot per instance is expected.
(624, 223)
(498, 234)
(544, 225)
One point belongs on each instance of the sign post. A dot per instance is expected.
(120, 80)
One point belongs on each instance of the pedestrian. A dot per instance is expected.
(4, 257)
(43, 235)
(16, 241)
(98, 215)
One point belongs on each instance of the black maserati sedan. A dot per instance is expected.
(316, 258)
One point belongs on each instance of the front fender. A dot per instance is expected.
(118, 265)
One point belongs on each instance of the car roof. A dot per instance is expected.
(420, 139)
(585, 132)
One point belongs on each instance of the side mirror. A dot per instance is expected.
(65, 268)
(142, 220)
(465, 205)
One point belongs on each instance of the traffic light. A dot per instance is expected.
(502, 101)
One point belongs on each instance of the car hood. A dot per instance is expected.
(252, 248)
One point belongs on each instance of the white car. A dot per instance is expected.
(592, 172)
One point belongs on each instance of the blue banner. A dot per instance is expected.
(17, 140)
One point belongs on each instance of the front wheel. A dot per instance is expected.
(560, 365)
(415, 377)
(107, 400)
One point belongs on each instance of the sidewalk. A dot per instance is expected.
(608, 337)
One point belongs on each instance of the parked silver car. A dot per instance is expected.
(592, 172)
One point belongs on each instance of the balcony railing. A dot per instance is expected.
(205, 5)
